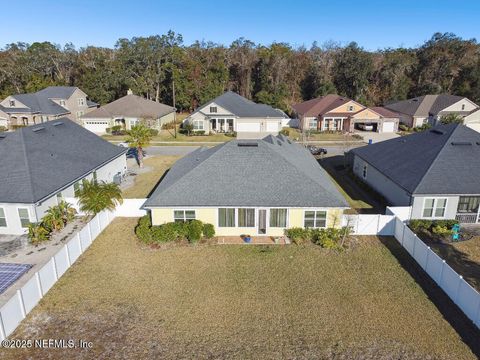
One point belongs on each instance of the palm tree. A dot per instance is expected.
(94, 197)
(139, 137)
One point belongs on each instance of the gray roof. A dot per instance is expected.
(273, 172)
(40, 102)
(242, 107)
(37, 161)
(424, 105)
(131, 106)
(442, 160)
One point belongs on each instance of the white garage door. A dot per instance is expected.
(272, 126)
(388, 126)
(97, 127)
(248, 127)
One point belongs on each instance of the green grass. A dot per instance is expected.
(168, 135)
(238, 301)
(146, 182)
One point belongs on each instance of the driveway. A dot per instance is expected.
(376, 137)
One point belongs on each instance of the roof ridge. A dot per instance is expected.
(434, 160)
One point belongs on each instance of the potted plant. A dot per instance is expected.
(246, 238)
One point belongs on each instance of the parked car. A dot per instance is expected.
(366, 127)
(315, 150)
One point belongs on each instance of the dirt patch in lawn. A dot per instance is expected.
(229, 301)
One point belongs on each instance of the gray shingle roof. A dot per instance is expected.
(131, 106)
(424, 105)
(443, 160)
(242, 107)
(39, 160)
(57, 92)
(275, 173)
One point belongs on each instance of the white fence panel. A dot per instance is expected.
(103, 220)
(62, 261)
(402, 212)
(130, 208)
(47, 276)
(12, 314)
(408, 240)
(85, 239)
(368, 224)
(386, 225)
(95, 227)
(434, 266)
(74, 249)
(450, 282)
(421, 253)
(399, 228)
(31, 294)
(468, 299)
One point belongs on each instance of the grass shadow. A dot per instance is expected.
(468, 332)
(158, 182)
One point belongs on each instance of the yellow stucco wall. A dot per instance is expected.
(295, 219)
(366, 114)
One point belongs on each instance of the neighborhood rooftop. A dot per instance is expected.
(271, 172)
(242, 107)
(442, 160)
(39, 160)
(131, 106)
(424, 105)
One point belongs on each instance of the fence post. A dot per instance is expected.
(403, 233)
(458, 288)
(39, 284)
(426, 261)
(441, 273)
(54, 264)
(22, 305)
(98, 222)
(414, 243)
(79, 242)
(3, 336)
(69, 262)
(90, 232)
(378, 223)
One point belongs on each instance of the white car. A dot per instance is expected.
(366, 127)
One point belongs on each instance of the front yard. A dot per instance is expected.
(239, 302)
(168, 136)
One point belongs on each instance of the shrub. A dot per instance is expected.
(118, 130)
(153, 132)
(285, 132)
(37, 233)
(199, 132)
(208, 231)
(108, 130)
(418, 225)
(142, 230)
(168, 126)
(357, 137)
(422, 128)
(298, 235)
(231, 134)
(164, 233)
(3, 128)
(441, 230)
(195, 228)
(403, 127)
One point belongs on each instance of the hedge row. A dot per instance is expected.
(192, 231)
(330, 238)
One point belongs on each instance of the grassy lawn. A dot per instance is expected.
(146, 182)
(168, 135)
(238, 302)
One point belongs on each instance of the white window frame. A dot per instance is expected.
(62, 102)
(4, 217)
(434, 207)
(255, 216)
(213, 109)
(314, 122)
(287, 218)
(81, 101)
(350, 108)
(20, 219)
(80, 113)
(234, 217)
(11, 103)
(196, 127)
(184, 214)
(315, 218)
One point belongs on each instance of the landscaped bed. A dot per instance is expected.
(227, 301)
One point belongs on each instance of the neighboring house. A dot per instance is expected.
(472, 119)
(42, 164)
(256, 187)
(436, 171)
(48, 104)
(337, 113)
(231, 112)
(428, 109)
(127, 112)
(3, 119)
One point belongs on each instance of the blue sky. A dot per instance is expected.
(372, 24)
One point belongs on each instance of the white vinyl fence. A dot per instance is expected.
(27, 297)
(366, 224)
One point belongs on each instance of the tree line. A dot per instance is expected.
(278, 74)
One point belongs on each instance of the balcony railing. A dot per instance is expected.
(467, 218)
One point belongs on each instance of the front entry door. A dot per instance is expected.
(262, 222)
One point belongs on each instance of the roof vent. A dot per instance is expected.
(57, 123)
(247, 144)
(40, 128)
(438, 132)
(461, 143)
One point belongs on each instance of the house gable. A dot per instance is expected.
(349, 107)
(367, 114)
(18, 104)
(220, 110)
(467, 104)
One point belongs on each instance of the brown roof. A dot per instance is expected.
(320, 106)
(131, 106)
(384, 112)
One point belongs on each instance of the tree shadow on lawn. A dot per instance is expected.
(457, 319)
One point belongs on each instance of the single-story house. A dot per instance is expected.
(428, 109)
(231, 112)
(45, 163)
(472, 119)
(256, 187)
(127, 112)
(436, 172)
(337, 113)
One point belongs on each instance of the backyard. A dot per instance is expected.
(244, 302)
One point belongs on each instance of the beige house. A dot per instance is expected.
(266, 186)
(127, 112)
(428, 109)
(48, 104)
(337, 113)
(472, 120)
